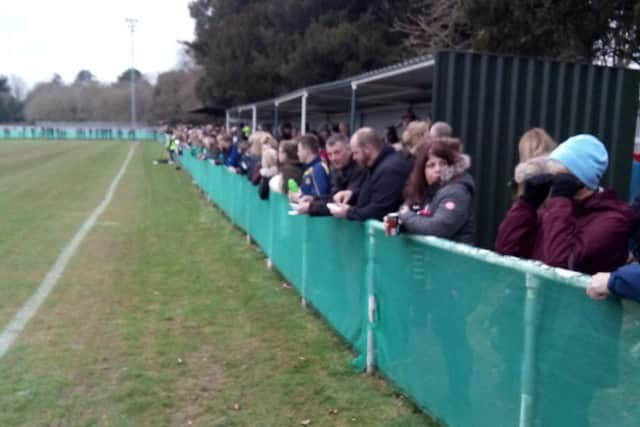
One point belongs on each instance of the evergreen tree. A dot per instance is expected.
(253, 50)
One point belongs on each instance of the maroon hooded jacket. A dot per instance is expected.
(588, 236)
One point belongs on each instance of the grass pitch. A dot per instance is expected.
(165, 316)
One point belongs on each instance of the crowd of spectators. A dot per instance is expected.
(561, 215)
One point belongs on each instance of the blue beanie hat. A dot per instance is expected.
(585, 156)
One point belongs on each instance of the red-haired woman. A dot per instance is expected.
(439, 193)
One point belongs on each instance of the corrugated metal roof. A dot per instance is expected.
(342, 83)
(409, 63)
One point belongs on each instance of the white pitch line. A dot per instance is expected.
(22, 317)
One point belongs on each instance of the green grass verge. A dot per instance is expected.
(166, 317)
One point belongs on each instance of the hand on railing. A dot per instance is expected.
(598, 288)
(303, 205)
(342, 197)
(294, 197)
(339, 210)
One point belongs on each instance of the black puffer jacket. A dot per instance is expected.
(381, 191)
(348, 178)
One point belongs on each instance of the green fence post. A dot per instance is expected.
(528, 381)
(305, 269)
(371, 306)
(271, 232)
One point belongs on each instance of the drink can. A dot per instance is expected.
(392, 224)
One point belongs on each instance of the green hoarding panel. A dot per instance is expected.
(474, 338)
(449, 331)
(60, 132)
(337, 246)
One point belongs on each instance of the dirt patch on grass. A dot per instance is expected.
(195, 390)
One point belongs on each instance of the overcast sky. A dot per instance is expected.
(43, 37)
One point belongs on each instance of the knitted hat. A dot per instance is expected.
(585, 157)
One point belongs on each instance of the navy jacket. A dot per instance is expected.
(316, 180)
(381, 191)
(625, 282)
(234, 156)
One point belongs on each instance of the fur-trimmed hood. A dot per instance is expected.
(462, 165)
(532, 167)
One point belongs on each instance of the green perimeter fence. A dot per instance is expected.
(474, 338)
(79, 133)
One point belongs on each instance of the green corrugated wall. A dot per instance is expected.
(492, 100)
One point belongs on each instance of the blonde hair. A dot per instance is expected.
(259, 140)
(269, 157)
(415, 134)
(535, 142)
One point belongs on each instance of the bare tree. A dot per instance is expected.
(435, 24)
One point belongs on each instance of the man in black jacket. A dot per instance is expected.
(346, 174)
(381, 191)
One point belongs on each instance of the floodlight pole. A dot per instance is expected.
(131, 22)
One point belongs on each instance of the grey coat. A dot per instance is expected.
(449, 214)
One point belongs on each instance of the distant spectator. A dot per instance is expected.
(212, 147)
(346, 174)
(235, 134)
(325, 133)
(246, 131)
(407, 118)
(381, 191)
(225, 144)
(285, 132)
(268, 169)
(343, 128)
(391, 137)
(242, 148)
(439, 193)
(232, 157)
(316, 179)
(415, 134)
(289, 167)
(250, 160)
(427, 119)
(441, 129)
(582, 227)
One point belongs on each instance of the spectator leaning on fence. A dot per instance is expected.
(316, 179)
(225, 143)
(582, 226)
(381, 191)
(289, 167)
(268, 169)
(439, 193)
(623, 283)
(346, 174)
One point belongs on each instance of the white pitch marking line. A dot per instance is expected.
(22, 317)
